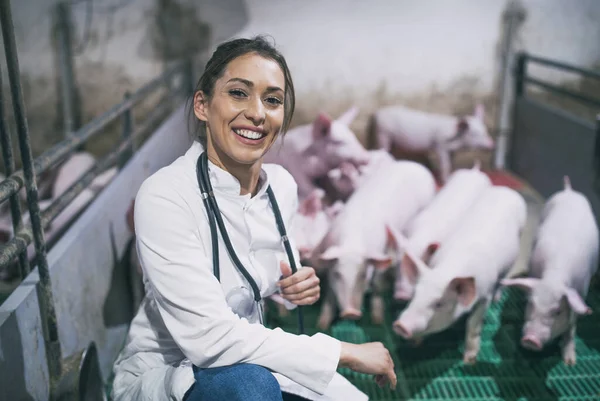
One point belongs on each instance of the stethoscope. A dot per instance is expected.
(214, 214)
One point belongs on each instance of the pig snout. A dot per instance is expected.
(351, 314)
(531, 342)
(402, 330)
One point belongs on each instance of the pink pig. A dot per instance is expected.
(438, 221)
(465, 270)
(413, 134)
(312, 222)
(311, 150)
(564, 259)
(356, 242)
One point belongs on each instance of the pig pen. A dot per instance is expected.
(504, 370)
(546, 143)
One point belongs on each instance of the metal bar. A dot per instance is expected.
(126, 132)
(9, 165)
(66, 146)
(65, 65)
(566, 67)
(513, 17)
(46, 300)
(565, 92)
(23, 237)
(520, 73)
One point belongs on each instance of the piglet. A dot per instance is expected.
(464, 272)
(438, 221)
(311, 150)
(312, 222)
(416, 133)
(356, 242)
(564, 259)
(347, 177)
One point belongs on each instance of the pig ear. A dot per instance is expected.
(431, 249)
(479, 111)
(464, 287)
(380, 262)
(335, 209)
(312, 204)
(524, 283)
(348, 116)
(398, 241)
(577, 303)
(321, 126)
(331, 253)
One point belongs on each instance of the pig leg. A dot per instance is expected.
(445, 163)
(568, 346)
(327, 311)
(473, 335)
(377, 305)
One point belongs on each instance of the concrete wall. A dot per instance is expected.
(89, 283)
(435, 54)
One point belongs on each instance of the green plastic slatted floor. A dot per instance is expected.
(504, 370)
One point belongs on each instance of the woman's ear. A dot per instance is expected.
(200, 106)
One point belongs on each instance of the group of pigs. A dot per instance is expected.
(51, 185)
(366, 218)
(448, 250)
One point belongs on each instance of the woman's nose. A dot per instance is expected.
(255, 111)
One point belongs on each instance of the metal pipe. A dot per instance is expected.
(62, 30)
(46, 301)
(514, 17)
(66, 146)
(9, 165)
(126, 132)
(564, 66)
(552, 88)
(24, 236)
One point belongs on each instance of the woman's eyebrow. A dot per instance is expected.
(250, 84)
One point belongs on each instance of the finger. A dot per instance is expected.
(311, 292)
(306, 301)
(308, 284)
(286, 270)
(297, 277)
(393, 379)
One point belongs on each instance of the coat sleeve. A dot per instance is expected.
(192, 304)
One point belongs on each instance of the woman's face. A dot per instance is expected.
(246, 112)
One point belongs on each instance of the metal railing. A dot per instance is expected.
(522, 79)
(24, 235)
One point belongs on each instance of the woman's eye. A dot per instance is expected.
(274, 101)
(237, 93)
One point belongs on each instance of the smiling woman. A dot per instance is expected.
(199, 334)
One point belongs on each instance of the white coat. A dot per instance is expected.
(185, 318)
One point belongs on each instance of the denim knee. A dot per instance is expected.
(246, 382)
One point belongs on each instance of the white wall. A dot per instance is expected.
(433, 54)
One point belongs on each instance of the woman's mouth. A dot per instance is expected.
(253, 135)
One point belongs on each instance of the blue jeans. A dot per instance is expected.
(242, 382)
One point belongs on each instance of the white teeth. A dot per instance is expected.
(248, 134)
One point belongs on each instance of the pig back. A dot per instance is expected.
(488, 238)
(393, 193)
(448, 206)
(566, 246)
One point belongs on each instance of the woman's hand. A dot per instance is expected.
(300, 288)
(370, 358)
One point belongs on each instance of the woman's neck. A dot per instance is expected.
(247, 175)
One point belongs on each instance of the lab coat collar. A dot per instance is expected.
(221, 180)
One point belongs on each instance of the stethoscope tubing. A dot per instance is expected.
(214, 213)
